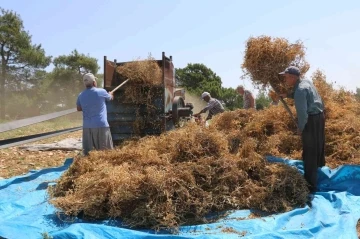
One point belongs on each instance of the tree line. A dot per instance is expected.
(198, 78)
(27, 89)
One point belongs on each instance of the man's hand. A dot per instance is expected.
(111, 94)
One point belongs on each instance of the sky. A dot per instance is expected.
(210, 32)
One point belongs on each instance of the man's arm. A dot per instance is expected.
(210, 105)
(301, 108)
(107, 95)
(78, 105)
(201, 111)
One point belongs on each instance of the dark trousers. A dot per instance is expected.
(313, 140)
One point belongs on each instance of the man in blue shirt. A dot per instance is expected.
(96, 130)
(311, 123)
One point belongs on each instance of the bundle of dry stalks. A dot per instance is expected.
(342, 127)
(274, 97)
(143, 72)
(181, 176)
(143, 75)
(272, 131)
(174, 179)
(265, 57)
(145, 85)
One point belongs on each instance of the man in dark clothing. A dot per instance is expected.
(311, 123)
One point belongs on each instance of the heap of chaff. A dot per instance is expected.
(174, 179)
(265, 57)
(142, 90)
(182, 176)
(141, 74)
(272, 131)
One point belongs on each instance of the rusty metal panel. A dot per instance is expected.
(109, 69)
(169, 83)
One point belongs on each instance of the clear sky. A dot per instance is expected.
(199, 31)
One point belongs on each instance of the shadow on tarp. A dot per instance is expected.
(26, 213)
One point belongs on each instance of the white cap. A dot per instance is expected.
(89, 78)
(205, 94)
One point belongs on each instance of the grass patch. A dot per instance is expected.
(67, 121)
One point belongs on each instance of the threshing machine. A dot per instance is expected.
(169, 103)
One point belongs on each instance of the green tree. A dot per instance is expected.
(17, 53)
(76, 62)
(231, 98)
(65, 81)
(198, 78)
(262, 100)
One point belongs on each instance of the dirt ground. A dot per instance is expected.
(15, 161)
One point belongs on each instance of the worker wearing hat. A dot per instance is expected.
(96, 130)
(311, 122)
(214, 106)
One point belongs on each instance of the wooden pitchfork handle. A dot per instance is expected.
(111, 92)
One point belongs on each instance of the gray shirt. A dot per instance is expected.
(307, 101)
(214, 107)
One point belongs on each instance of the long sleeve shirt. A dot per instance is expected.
(214, 107)
(307, 101)
(92, 103)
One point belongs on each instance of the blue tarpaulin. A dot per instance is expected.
(334, 212)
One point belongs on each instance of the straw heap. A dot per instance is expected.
(265, 57)
(175, 179)
(342, 127)
(144, 86)
(273, 132)
(144, 72)
(181, 176)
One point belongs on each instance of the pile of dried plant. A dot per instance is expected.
(267, 132)
(265, 57)
(272, 131)
(143, 76)
(175, 179)
(142, 89)
(144, 72)
(342, 129)
(181, 176)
